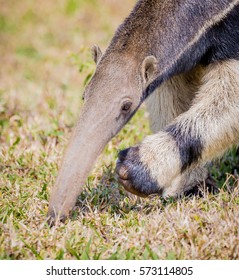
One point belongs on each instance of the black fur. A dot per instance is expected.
(190, 147)
(138, 174)
(221, 42)
(224, 39)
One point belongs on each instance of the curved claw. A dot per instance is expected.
(121, 170)
(128, 187)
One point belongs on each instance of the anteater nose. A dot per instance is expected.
(123, 154)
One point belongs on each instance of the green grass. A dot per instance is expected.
(45, 58)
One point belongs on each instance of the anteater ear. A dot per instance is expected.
(96, 53)
(149, 68)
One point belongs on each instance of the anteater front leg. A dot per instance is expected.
(172, 98)
(196, 137)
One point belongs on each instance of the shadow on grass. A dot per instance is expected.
(109, 196)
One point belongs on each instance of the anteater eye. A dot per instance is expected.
(126, 106)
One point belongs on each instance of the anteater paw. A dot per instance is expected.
(134, 175)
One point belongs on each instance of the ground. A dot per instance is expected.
(45, 62)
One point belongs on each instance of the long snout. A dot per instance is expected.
(92, 132)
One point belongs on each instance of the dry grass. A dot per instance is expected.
(45, 61)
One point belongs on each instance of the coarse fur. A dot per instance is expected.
(183, 53)
(212, 118)
(171, 99)
(211, 34)
(160, 153)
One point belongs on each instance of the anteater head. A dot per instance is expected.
(111, 98)
(117, 85)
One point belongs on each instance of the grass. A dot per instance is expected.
(45, 61)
